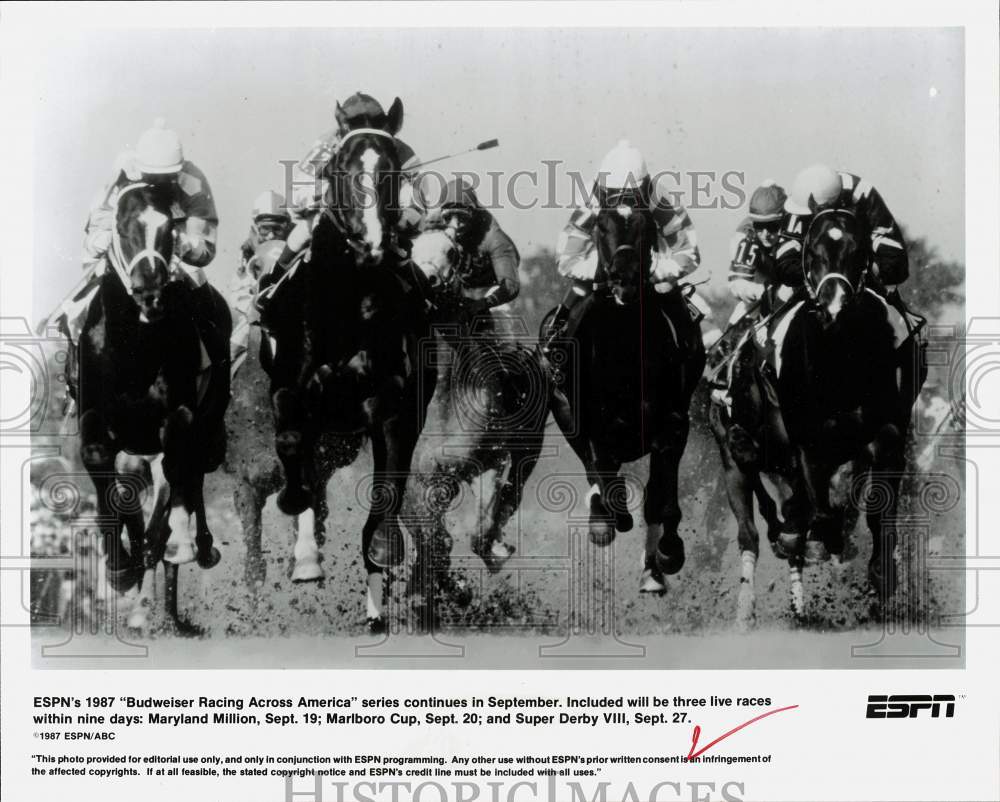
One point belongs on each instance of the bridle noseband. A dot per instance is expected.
(814, 291)
(116, 255)
(335, 212)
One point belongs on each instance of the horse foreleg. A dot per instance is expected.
(293, 448)
(883, 498)
(306, 557)
(824, 522)
(208, 555)
(182, 625)
(740, 487)
(392, 449)
(662, 505)
(132, 478)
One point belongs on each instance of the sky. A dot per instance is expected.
(887, 104)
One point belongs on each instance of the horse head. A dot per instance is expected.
(625, 234)
(436, 256)
(834, 260)
(142, 245)
(365, 183)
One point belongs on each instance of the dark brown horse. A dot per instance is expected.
(346, 363)
(840, 395)
(631, 383)
(152, 395)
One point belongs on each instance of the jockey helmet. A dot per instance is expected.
(269, 204)
(459, 196)
(361, 105)
(767, 202)
(815, 186)
(622, 168)
(159, 150)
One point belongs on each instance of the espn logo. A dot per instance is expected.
(910, 706)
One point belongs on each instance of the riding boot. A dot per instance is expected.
(578, 299)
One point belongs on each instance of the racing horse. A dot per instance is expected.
(346, 364)
(486, 422)
(153, 388)
(633, 380)
(842, 399)
(758, 460)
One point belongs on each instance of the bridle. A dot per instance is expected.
(814, 291)
(116, 255)
(334, 211)
(601, 281)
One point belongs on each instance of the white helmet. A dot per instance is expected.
(269, 204)
(622, 168)
(817, 183)
(159, 150)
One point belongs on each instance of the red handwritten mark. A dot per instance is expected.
(697, 732)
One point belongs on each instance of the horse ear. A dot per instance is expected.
(813, 206)
(340, 116)
(394, 119)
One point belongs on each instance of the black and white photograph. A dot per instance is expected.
(580, 339)
(499, 402)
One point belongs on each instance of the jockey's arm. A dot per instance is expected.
(745, 255)
(888, 246)
(197, 242)
(505, 258)
(788, 253)
(677, 247)
(101, 222)
(576, 256)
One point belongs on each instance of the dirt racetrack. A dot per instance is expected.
(557, 581)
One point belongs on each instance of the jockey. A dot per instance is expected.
(307, 201)
(271, 221)
(676, 252)
(488, 259)
(159, 160)
(752, 271)
(818, 187)
(752, 247)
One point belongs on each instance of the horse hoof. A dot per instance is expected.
(208, 558)
(387, 547)
(624, 522)
(123, 579)
(652, 581)
(293, 500)
(95, 455)
(787, 545)
(179, 553)
(376, 625)
(186, 629)
(815, 552)
(670, 554)
(307, 570)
